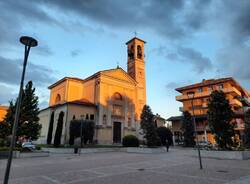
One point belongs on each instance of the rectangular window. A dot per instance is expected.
(117, 110)
(200, 89)
(220, 86)
(211, 88)
(92, 116)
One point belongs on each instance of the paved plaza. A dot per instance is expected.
(177, 166)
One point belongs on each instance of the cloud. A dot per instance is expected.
(10, 72)
(191, 56)
(172, 85)
(171, 19)
(75, 52)
(6, 94)
(234, 61)
(232, 27)
(185, 55)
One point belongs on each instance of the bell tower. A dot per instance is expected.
(136, 69)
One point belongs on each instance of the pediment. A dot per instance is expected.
(119, 74)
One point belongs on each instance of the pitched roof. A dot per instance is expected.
(64, 79)
(97, 74)
(135, 38)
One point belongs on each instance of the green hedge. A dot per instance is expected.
(130, 141)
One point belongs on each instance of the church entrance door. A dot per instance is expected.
(117, 132)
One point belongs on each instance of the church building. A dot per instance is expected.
(113, 99)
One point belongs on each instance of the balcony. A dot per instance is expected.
(196, 95)
(232, 90)
(203, 94)
(235, 102)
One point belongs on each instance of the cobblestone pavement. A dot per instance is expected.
(177, 166)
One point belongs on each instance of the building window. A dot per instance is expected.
(129, 122)
(87, 116)
(117, 96)
(131, 52)
(139, 52)
(220, 86)
(211, 88)
(117, 110)
(104, 119)
(92, 116)
(58, 98)
(200, 89)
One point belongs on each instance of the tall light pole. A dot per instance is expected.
(28, 42)
(191, 96)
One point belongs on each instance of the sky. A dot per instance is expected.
(187, 41)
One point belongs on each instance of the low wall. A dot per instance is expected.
(236, 155)
(59, 150)
(33, 154)
(145, 150)
(5, 154)
(102, 150)
(18, 154)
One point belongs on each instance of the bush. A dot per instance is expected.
(130, 141)
(165, 134)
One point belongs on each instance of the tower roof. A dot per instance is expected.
(135, 38)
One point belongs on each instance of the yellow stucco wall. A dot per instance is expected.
(3, 112)
(58, 89)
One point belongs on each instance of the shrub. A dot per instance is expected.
(88, 130)
(165, 134)
(130, 141)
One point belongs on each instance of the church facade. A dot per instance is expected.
(113, 99)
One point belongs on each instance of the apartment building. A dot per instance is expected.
(199, 94)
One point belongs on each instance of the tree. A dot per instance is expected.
(220, 115)
(148, 127)
(29, 121)
(28, 125)
(88, 130)
(247, 128)
(59, 127)
(50, 131)
(5, 125)
(188, 129)
(165, 134)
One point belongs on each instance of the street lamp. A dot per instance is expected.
(28, 42)
(191, 96)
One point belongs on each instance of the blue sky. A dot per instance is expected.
(187, 41)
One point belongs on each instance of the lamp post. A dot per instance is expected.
(191, 96)
(28, 42)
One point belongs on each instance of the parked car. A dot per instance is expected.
(29, 145)
(205, 144)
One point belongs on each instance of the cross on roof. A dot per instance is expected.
(135, 33)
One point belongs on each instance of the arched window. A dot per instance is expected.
(139, 52)
(58, 98)
(117, 96)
